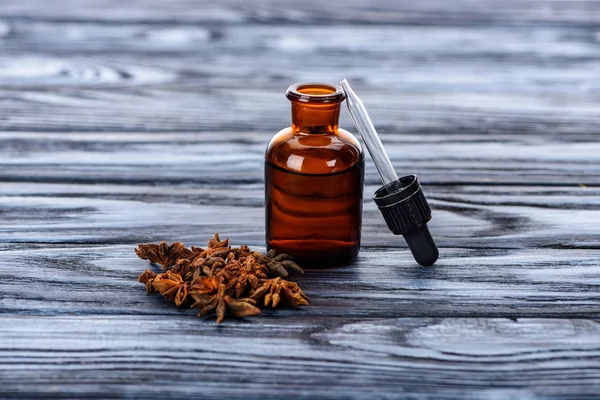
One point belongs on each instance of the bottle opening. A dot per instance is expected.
(315, 92)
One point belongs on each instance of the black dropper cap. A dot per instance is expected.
(406, 212)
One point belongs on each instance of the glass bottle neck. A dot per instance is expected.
(315, 118)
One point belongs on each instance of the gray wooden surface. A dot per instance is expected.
(141, 121)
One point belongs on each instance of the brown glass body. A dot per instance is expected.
(314, 173)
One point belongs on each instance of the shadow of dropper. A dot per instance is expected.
(400, 200)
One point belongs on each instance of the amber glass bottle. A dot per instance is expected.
(314, 175)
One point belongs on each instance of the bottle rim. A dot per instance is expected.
(315, 93)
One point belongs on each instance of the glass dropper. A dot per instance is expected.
(371, 138)
(400, 200)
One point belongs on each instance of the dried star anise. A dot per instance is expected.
(189, 268)
(147, 277)
(220, 279)
(211, 265)
(252, 266)
(245, 281)
(241, 253)
(162, 253)
(218, 248)
(279, 264)
(272, 291)
(215, 248)
(203, 285)
(210, 296)
(184, 268)
(172, 287)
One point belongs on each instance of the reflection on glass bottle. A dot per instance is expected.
(314, 175)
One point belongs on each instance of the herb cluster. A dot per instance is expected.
(220, 279)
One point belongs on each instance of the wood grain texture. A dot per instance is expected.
(141, 121)
(81, 279)
(431, 12)
(83, 76)
(308, 358)
(498, 194)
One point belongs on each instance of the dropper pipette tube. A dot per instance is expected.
(400, 200)
(369, 134)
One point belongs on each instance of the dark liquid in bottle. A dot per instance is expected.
(314, 217)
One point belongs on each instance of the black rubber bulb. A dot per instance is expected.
(406, 212)
(422, 246)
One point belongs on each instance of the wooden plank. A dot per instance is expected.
(383, 283)
(467, 217)
(449, 80)
(357, 11)
(232, 158)
(138, 356)
(144, 187)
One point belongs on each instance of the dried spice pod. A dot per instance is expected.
(232, 264)
(147, 277)
(278, 264)
(184, 268)
(251, 265)
(245, 283)
(172, 287)
(212, 264)
(188, 268)
(241, 253)
(205, 285)
(219, 302)
(162, 253)
(273, 291)
(218, 248)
